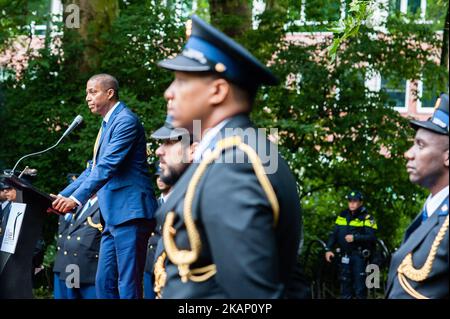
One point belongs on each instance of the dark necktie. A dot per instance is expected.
(424, 214)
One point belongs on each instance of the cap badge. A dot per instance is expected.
(194, 55)
(220, 67)
(439, 122)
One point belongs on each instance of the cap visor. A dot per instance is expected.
(428, 126)
(164, 133)
(182, 63)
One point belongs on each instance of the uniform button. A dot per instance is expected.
(59, 223)
(78, 238)
(151, 246)
(59, 248)
(68, 237)
(75, 254)
(85, 223)
(60, 236)
(152, 234)
(65, 253)
(96, 256)
(71, 225)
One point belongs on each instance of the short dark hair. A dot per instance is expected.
(107, 81)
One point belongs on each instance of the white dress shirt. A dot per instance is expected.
(204, 144)
(110, 112)
(433, 202)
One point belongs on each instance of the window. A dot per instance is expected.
(397, 92)
(322, 10)
(428, 93)
(319, 12)
(413, 7)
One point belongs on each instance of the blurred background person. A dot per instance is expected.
(354, 235)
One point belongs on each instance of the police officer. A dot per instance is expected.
(77, 252)
(232, 224)
(354, 234)
(78, 243)
(175, 154)
(59, 286)
(60, 290)
(153, 239)
(3, 198)
(419, 268)
(6, 195)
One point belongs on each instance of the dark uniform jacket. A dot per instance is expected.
(79, 244)
(151, 249)
(421, 278)
(359, 224)
(63, 225)
(153, 240)
(254, 258)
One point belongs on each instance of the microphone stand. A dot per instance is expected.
(36, 153)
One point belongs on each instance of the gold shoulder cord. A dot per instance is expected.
(160, 275)
(407, 270)
(92, 224)
(184, 258)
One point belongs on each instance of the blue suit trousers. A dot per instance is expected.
(122, 259)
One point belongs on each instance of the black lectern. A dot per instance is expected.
(16, 269)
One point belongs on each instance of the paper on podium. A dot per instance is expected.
(13, 226)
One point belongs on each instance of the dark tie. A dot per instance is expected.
(424, 214)
(103, 127)
(160, 201)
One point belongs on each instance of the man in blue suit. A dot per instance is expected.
(119, 175)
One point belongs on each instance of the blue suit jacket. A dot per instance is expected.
(120, 177)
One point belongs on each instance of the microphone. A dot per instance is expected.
(78, 119)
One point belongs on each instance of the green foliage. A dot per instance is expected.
(336, 140)
(358, 11)
(17, 15)
(38, 107)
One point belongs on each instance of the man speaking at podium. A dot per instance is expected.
(119, 176)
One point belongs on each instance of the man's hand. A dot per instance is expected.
(63, 204)
(51, 209)
(329, 255)
(349, 238)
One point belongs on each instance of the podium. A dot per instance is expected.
(16, 269)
